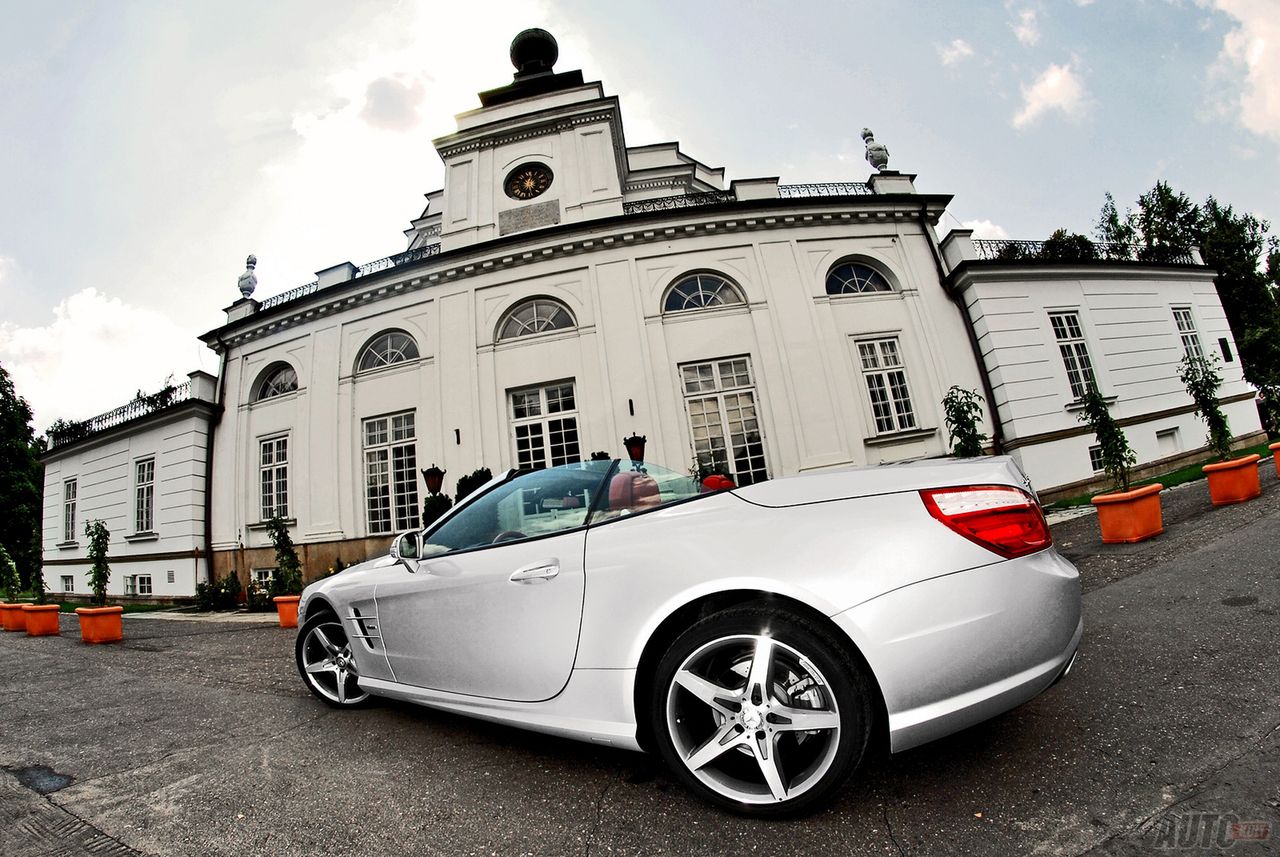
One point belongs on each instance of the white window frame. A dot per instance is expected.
(144, 495)
(721, 404)
(1095, 459)
(544, 426)
(130, 584)
(261, 577)
(70, 490)
(142, 584)
(1073, 347)
(887, 384)
(68, 583)
(1185, 322)
(273, 477)
(390, 446)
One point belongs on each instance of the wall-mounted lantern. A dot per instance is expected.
(635, 447)
(434, 477)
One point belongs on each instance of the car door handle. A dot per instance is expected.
(539, 571)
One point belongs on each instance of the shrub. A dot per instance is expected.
(10, 583)
(1117, 456)
(221, 594)
(1010, 252)
(287, 577)
(469, 483)
(1064, 246)
(433, 506)
(601, 455)
(962, 410)
(1200, 375)
(258, 597)
(100, 570)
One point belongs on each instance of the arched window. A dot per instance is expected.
(387, 349)
(536, 315)
(855, 278)
(701, 291)
(278, 380)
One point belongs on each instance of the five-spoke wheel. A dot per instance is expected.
(326, 663)
(760, 712)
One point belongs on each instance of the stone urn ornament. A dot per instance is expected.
(248, 280)
(877, 153)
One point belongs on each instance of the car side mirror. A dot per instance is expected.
(406, 549)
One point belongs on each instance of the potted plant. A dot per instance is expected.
(1231, 480)
(41, 618)
(100, 623)
(286, 580)
(1124, 515)
(11, 615)
(962, 410)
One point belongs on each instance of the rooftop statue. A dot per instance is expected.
(877, 153)
(248, 280)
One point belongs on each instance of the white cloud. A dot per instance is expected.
(1026, 28)
(94, 356)
(1057, 88)
(953, 53)
(985, 229)
(1251, 51)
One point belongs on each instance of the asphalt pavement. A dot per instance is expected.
(197, 738)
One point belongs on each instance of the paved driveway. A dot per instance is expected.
(197, 738)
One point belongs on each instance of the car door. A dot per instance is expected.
(496, 613)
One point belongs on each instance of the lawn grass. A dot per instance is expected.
(70, 607)
(1190, 473)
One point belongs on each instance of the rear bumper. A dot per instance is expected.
(959, 649)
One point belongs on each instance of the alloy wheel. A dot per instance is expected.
(327, 664)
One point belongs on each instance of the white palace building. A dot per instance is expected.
(565, 290)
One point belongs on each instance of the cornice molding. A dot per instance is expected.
(436, 271)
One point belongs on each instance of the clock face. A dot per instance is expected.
(527, 181)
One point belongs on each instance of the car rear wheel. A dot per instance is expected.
(325, 662)
(760, 712)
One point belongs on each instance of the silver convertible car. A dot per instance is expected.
(757, 638)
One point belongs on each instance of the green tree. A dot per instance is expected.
(1201, 377)
(99, 569)
(10, 585)
(1118, 458)
(287, 578)
(1236, 245)
(21, 481)
(962, 410)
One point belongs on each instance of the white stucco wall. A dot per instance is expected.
(104, 470)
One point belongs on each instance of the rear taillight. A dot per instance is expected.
(1001, 519)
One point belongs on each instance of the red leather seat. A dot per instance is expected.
(631, 490)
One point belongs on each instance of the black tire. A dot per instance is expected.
(322, 645)
(715, 715)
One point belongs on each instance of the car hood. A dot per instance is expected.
(885, 479)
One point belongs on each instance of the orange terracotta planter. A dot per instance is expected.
(1130, 516)
(101, 624)
(1233, 481)
(1275, 456)
(287, 609)
(11, 617)
(41, 619)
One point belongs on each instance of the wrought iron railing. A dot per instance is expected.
(65, 432)
(1078, 250)
(408, 257)
(800, 191)
(686, 200)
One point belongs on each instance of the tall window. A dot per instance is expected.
(144, 495)
(854, 278)
(387, 349)
(721, 401)
(274, 477)
(1075, 353)
(69, 510)
(539, 315)
(68, 583)
(391, 473)
(701, 291)
(886, 380)
(1187, 330)
(544, 422)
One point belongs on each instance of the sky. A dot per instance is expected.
(147, 147)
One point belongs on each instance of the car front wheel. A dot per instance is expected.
(325, 662)
(760, 712)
